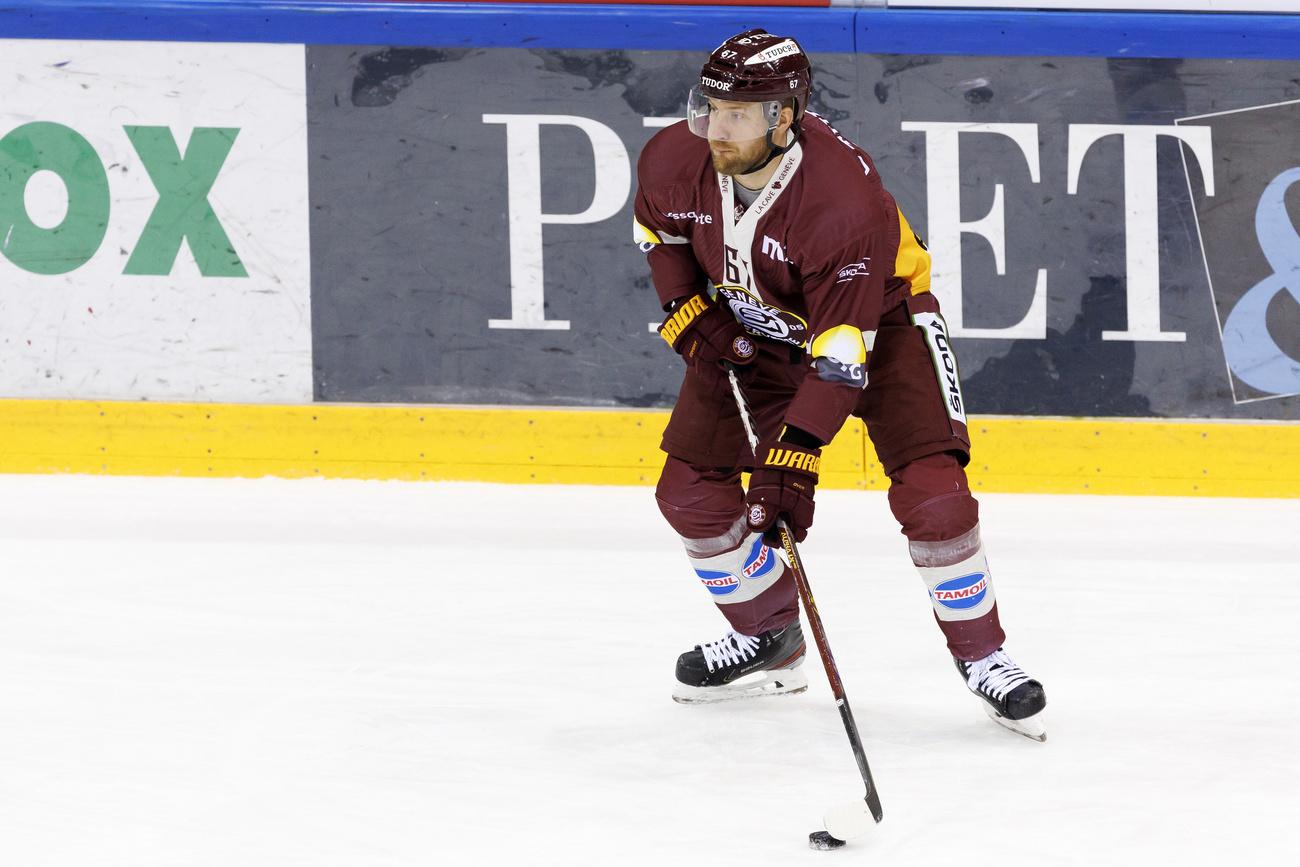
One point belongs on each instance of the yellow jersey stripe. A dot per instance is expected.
(844, 343)
(913, 261)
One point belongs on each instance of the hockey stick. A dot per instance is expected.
(849, 820)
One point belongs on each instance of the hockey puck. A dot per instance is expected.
(823, 840)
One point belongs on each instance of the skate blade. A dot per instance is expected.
(846, 821)
(1031, 727)
(778, 682)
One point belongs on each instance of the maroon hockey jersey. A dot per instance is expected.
(813, 262)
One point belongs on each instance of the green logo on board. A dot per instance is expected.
(182, 213)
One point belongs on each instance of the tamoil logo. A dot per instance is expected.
(760, 560)
(964, 592)
(718, 583)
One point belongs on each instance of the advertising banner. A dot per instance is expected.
(153, 222)
(1252, 247)
(471, 213)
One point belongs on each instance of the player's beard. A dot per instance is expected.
(732, 158)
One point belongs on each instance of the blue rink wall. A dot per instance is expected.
(437, 213)
(664, 28)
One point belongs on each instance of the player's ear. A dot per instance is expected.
(786, 120)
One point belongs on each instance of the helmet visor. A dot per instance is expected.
(724, 120)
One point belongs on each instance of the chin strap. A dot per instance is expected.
(773, 150)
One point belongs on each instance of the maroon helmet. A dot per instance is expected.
(755, 66)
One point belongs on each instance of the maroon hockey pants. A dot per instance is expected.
(920, 445)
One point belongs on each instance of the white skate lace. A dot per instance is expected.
(731, 649)
(996, 674)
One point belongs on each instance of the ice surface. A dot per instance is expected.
(226, 672)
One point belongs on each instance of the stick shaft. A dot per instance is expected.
(814, 619)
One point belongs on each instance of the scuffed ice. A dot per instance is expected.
(221, 672)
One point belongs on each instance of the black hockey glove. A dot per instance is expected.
(783, 485)
(703, 333)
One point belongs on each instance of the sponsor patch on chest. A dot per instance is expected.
(693, 216)
(773, 250)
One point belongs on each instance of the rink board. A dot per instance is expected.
(130, 272)
(1105, 456)
(396, 321)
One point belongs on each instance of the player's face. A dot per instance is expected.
(738, 134)
(736, 122)
(732, 158)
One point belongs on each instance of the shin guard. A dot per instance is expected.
(750, 584)
(956, 574)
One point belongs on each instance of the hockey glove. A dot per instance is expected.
(703, 333)
(783, 485)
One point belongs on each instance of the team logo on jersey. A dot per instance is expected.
(718, 583)
(764, 319)
(962, 593)
(760, 560)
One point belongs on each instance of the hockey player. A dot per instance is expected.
(775, 248)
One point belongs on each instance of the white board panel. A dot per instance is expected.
(140, 318)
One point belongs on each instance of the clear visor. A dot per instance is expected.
(724, 120)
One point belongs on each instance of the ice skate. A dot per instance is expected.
(1011, 698)
(743, 666)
